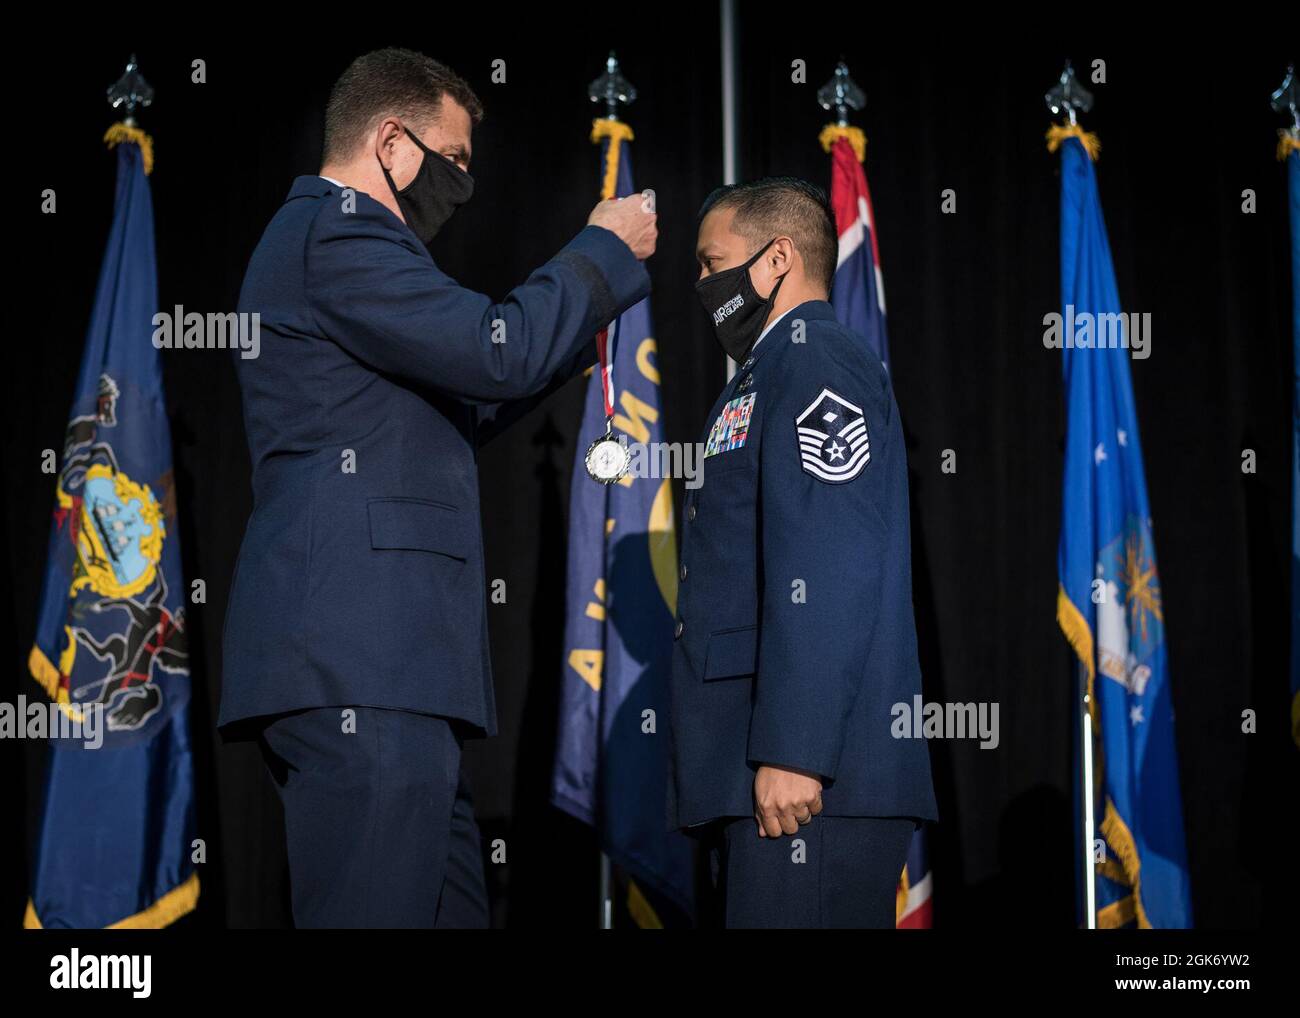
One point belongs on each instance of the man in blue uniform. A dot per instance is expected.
(795, 636)
(356, 642)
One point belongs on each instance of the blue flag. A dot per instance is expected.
(611, 763)
(1110, 605)
(1293, 182)
(115, 836)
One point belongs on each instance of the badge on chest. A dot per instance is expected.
(731, 428)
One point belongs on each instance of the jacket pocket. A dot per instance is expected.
(731, 653)
(416, 524)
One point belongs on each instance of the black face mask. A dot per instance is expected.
(737, 309)
(438, 188)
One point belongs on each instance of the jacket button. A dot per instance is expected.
(690, 511)
(683, 572)
(678, 631)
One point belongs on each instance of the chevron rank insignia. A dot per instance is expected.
(833, 441)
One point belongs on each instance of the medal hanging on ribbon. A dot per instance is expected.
(607, 457)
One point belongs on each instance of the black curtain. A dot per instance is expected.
(967, 293)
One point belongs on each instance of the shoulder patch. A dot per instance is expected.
(833, 441)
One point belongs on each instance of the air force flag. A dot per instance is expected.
(1110, 604)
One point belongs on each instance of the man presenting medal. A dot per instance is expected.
(795, 636)
(356, 645)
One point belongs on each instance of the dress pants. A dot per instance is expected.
(379, 822)
(844, 875)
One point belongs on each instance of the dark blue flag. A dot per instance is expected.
(611, 763)
(1110, 604)
(115, 836)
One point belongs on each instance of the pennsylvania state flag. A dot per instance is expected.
(611, 761)
(1110, 605)
(118, 819)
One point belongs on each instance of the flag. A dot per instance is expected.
(114, 841)
(915, 899)
(858, 292)
(1289, 149)
(611, 763)
(858, 296)
(1110, 603)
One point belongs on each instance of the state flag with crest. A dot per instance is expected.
(117, 824)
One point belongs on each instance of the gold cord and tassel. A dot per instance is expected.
(121, 132)
(617, 132)
(1057, 134)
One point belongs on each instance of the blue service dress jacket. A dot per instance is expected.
(795, 635)
(360, 577)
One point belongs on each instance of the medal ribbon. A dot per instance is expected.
(607, 368)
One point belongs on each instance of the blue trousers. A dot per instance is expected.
(378, 819)
(835, 872)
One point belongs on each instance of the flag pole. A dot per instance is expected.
(1087, 794)
(1068, 98)
(730, 135)
(614, 90)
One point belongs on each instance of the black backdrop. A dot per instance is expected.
(967, 293)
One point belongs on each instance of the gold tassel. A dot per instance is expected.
(119, 133)
(832, 133)
(1057, 134)
(617, 132)
(1120, 840)
(1076, 630)
(1288, 141)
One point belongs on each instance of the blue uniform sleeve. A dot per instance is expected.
(376, 292)
(821, 531)
(494, 418)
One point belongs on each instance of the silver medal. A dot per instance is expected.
(607, 458)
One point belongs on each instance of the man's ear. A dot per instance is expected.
(386, 137)
(780, 256)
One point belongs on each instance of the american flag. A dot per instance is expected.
(858, 296)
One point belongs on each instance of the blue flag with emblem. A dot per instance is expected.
(611, 762)
(114, 843)
(1110, 603)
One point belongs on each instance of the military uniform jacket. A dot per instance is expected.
(795, 636)
(360, 578)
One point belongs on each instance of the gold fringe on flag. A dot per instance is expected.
(1120, 839)
(617, 132)
(175, 904)
(832, 133)
(1288, 141)
(639, 907)
(1077, 632)
(1057, 134)
(119, 133)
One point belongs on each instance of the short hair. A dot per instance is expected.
(387, 82)
(783, 206)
